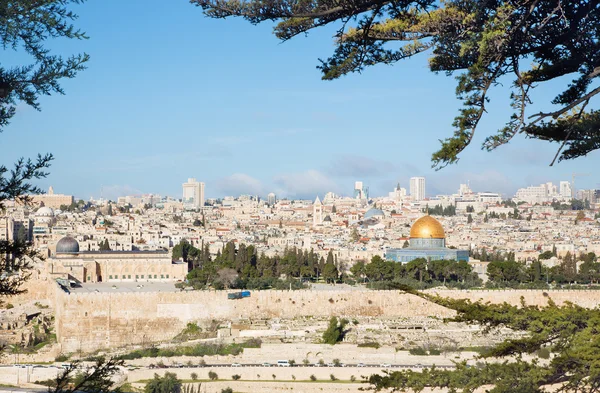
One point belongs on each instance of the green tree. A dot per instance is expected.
(469, 219)
(22, 234)
(330, 272)
(417, 269)
(335, 331)
(104, 245)
(379, 270)
(406, 244)
(358, 269)
(169, 383)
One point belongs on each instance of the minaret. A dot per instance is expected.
(317, 212)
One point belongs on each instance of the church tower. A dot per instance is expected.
(317, 212)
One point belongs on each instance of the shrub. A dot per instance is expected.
(202, 349)
(418, 351)
(236, 377)
(352, 378)
(370, 344)
(9, 306)
(321, 362)
(305, 361)
(227, 390)
(202, 363)
(333, 378)
(274, 376)
(313, 378)
(294, 377)
(292, 362)
(336, 362)
(435, 352)
(194, 376)
(62, 358)
(167, 383)
(213, 376)
(335, 331)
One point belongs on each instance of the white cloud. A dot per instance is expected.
(304, 184)
(240, 183)
(114, 191)
(359, 167)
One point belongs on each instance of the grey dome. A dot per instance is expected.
(67, 244)
(374, 213)
(45, 212)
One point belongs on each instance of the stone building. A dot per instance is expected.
(107, 266)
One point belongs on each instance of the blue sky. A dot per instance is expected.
(170, 94)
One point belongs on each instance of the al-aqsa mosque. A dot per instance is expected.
(427, 240)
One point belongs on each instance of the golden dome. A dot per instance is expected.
(427, 227)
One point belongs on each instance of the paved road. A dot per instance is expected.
(383, 365)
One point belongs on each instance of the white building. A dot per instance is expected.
(193, 194)
(546, 192)
(271, 198)
(417, 188)
(565, 189)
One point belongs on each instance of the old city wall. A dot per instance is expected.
(90, 321)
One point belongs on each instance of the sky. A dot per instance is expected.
(170, 94)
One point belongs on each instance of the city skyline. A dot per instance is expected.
(194, 194)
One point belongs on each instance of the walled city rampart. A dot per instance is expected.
(87, 322)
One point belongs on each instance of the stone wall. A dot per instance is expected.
(90, 321)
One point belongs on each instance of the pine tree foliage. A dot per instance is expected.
(93, 379)
(27, 24)
(519, 43)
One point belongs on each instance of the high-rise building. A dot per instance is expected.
(417, 188)
(193, 194)
(271, 198)
(360, 191)
(592, 196)
(565, 189)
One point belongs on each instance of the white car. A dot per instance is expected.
(236, 365)
(266, 364)
(385, 365)
(360, 365)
